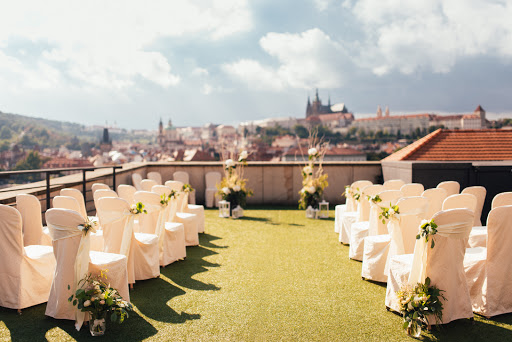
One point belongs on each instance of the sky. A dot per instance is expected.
(130, 63)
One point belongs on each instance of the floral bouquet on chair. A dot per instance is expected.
(232, 187)
(313, 181)
(97, 298)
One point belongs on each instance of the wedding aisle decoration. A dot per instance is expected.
(233, 188)
(95, 296)
(314, 181)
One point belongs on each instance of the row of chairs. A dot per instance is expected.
(155, 178)
(383, 247)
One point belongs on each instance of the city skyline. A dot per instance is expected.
(235, 61)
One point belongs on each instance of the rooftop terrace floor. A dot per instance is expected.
(273, 275)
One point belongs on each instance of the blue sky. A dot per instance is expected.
(226, 61)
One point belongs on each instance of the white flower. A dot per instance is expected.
(244, 155)
(409, 306)
(312, 151)
(87, 303)
(237, 188)
(102, 302)
(391, 212)
(230, 163)
(311, 189)
(424, 222)
(308, 170)
(226, 190)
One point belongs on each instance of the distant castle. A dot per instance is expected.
(317, 108)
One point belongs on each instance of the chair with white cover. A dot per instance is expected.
(136, 180)
(466, 201)
(412, 189)
(393, 184)
(147, 184)
(436, 197)
(346, 214)
(126, 192)
(378, 249)
(479, 192)
(34, 233)
(75, 261)
(443, 264)
(68, 202)
(451, 187)
(141, 249)
(99, 186)
(182, 176)
(174, 231)
(488, 269)
(78, 196)
(26, 272)
(155, 176)
(103, 193)
(184, 214)
(478, 236)
(373, 226)
(212, 178)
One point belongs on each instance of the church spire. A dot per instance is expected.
(317, 99)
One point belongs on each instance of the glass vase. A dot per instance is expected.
(413, 329)
(97, 327)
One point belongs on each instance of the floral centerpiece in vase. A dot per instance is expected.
(314, 181)
(232, 187)
(96, 297)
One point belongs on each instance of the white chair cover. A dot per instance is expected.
(99, 186)
(182, 176)
(393, 184)
(136, 180)
(126, 192)
(103, 193)
(479, 192)
(412, 189)
(378, 249)
(155, 176)
(443, 264)
(345, 214)
(374, 226)
(501, 199)
(211, 180)
(436, 197)
(75, 261)
(147, 184)
(140, 248)
(77, 195)
(190, 221)
(459, 201)
(176, 230)
(33, 231)
(195, 209)
(451, 187)
(25, 272)
(488, 269)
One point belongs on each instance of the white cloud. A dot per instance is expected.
(198, 71)
(321, 5)
(108, 43)
(306, 60)
(432, 35)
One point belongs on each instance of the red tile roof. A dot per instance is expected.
(459, 145)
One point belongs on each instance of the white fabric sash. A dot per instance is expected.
(160, 223)
(456, 230)
(81, 268)
(396, 231)
(184, 202)
(128, 228)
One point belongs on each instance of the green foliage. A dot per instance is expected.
(138, 208)
(427, 229)
(301, 131)
(5, 133)
(388, 213)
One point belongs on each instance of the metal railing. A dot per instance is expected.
(49, 172)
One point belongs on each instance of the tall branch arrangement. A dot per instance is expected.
(314, 181)
(232, 187)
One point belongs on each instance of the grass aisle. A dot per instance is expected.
(273, 275)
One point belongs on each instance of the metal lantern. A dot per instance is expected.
(224, 207)
(238, 212)
(324, 209)
(310, 212)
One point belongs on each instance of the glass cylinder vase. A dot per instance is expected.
(413, 329)
(97, 327)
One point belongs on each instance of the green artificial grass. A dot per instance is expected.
(273, 275)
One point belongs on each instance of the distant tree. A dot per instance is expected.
(33, 161)
(5, 133)
(4, 145)
(301, 131)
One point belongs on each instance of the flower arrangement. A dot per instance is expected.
(89, 225)
(313, 182)
(100, 300)
(356, 194)
(347, 192)
(374, 199)
(418, 302)
(187, 188)
(138, 208)
(232, 187)
(427, 228)
(387, 213)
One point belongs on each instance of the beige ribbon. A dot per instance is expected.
(184, 202)
(160, 223)
(456, 230)
(81, 267)
(395, 231)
